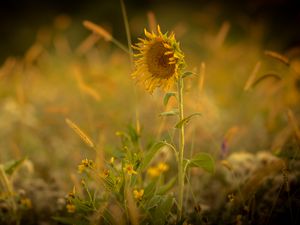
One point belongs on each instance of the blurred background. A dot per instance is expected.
(246, 57)
(20, 20)
(53, 68)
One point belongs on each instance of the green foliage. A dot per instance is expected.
(162, 211)
(164, 189)
(127, 172)
(202, 160)
(149, 155)
(187, 74)
(150, 190)
(168, 95)
(172, 112)
(133, 134)
(186, 120)
(11, 166)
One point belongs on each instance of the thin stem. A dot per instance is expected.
(6, 187)
(121, 46)
(106, 35)
(125, 196)
(181, 148)
(129, 43)
(173, 149)
(126, 24)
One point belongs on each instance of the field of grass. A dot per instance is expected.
(84, 143)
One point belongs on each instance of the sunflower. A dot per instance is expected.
(159, 60)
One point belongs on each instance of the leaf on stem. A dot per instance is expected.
(151, 153)
(168, 95)
(162, 211)
(165, 188)
(186, 74)
(150, 190)
(186, 120)
(11, 166)
(202, 160)
(173, 112)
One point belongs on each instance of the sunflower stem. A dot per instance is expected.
(181, 148)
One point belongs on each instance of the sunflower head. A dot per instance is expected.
(159, 60)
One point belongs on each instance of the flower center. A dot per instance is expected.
(158, 62)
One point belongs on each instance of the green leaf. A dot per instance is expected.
(11, 166)
(170, 113)
(83, 205)
(151, 153)
(133, 134)
(186, 120)
(150, 190)
(153, 202)
(165, 188)
(162, 211)
(109, 184)
(204, 161)
(168, 95)
(187, 73)
(185, 164)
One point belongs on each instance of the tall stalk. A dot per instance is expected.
(129, 42)
(181, 148)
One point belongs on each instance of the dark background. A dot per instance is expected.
(20, 19)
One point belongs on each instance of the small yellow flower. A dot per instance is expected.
(162, 167)
(159, 60)
(91, 164)
(71, 208)
(129, 169)
(105, 173)
(153, 172)
(112, 160)
(85, 163)
(88, 163)
(138, 194)
(26, 202)
(81, 168)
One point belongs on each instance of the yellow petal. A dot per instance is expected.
(169, 53)
(159, 31)
(167, 46)
(148, 35)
